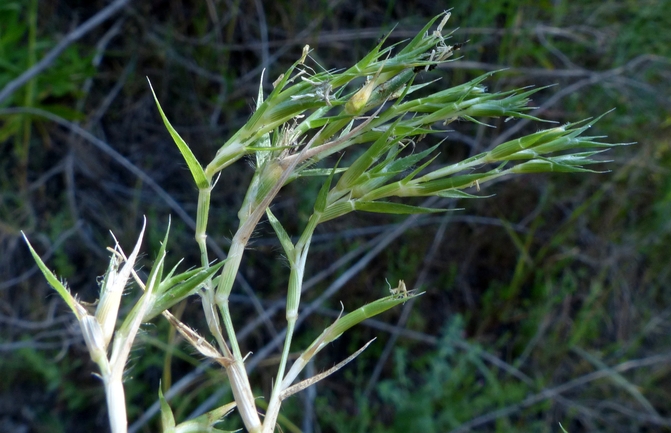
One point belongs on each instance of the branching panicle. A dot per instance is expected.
(306, 118)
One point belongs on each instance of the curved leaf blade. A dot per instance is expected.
(194, 166)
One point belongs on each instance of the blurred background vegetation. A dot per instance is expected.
(548, 302)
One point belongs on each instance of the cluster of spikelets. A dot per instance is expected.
(306, 118)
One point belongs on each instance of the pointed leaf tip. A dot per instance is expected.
(54, 282)
(194, 166)
(167, 417)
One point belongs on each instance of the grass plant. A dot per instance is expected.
(378, 111)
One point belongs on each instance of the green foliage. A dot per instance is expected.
(36, 368)
(24, 137)
(454, 387)
(590, 276)
(279, 124)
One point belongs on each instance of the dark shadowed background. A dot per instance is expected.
(547, 303)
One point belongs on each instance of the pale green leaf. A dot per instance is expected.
(189, 284)
(320, 172)
(367, 311)
(205, 423)
(194, 166)
(455, 193)
(282, 235)
(56, 284)
(421, 36)
(392, 208)
(167, 417)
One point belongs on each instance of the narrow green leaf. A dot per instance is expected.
(138, 313)
(258, 147)
(368, 158)
(170, 276)
(189, 286)
(167, 417)
(56, 284)
(172, 280)
(194, 166)
(367, 311)
(392, 208)
(162, 253)
(319, 172)
(511, 104)
(438, 186)
(455, 193)
(457, 93)
(360, 68)
(419, 169)
(571, 142)
(205, 422)
(346, 129)
(284, 238)
(387, 169)
(415, 87)
(322, 196)
(551, 165)
(157, 269)
(421, 36)
(581, 158)
(407, 162)
(172, 295)
(404, 130)
(259, 95)
(421, 188)
(346, 322)
(519, 145)
(263, 142)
